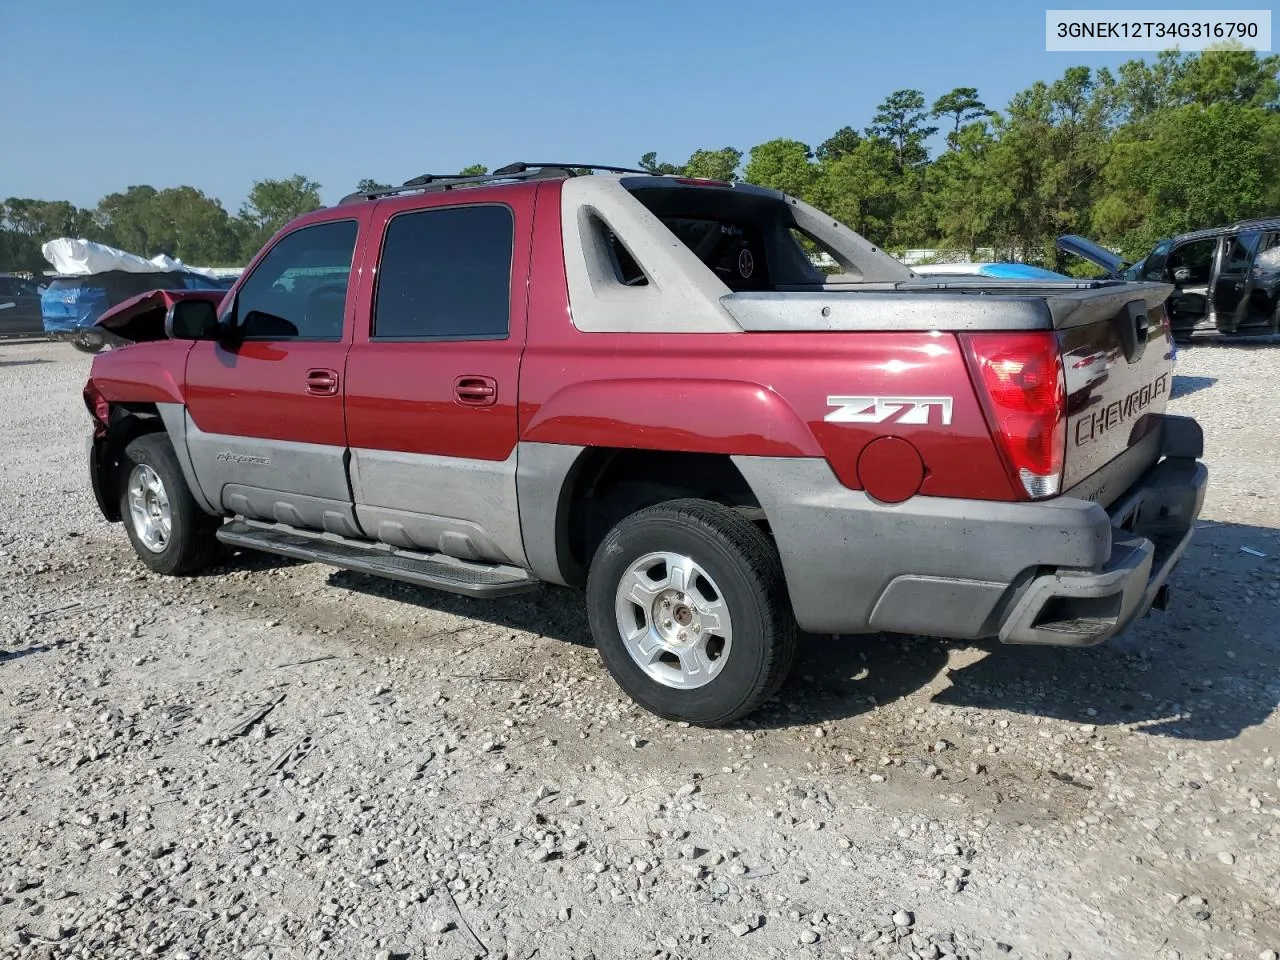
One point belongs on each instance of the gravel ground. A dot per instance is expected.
(439, 777)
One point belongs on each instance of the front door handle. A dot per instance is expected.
(322, 383)
(476, 391)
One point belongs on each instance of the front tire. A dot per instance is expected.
(688, 607)
(168, 530)
(87, 344)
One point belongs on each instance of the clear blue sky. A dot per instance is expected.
(101, 95)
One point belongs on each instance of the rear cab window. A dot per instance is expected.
(748, 240)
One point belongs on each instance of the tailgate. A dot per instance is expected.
(1117, 355)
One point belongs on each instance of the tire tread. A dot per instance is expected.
(760, 564)
(193, 543)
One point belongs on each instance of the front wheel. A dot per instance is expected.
(168, 530)
(88, 344)
(689, 611)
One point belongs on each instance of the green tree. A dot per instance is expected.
(475, 170)
(272, 204)
(1191, 167)
(651, 163)
(900, 119)
(126, 218)
(1050, 150)
(859, 188)
(719, 164)
(1145, 88)
(26, 224)
(783, 165)
(841, 143)
(180, 222)
(194, 228)
(1229, 74)
(961, 106)
(963, 197)
(368, 185)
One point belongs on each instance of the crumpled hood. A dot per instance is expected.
(141, 318)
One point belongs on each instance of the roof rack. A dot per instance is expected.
(1256, 222)
(429, 182)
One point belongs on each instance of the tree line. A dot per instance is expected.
(1159, 147)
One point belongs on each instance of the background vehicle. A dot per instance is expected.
(999, 271)
(19, 305)
(642, 385)
(1226, 279)
(71, 306)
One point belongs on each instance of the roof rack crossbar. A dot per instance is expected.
(428, 182)
(522, 166)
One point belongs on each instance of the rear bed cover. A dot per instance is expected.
(967, 305)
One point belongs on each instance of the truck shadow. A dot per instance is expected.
(1184, 386)
(1207, 669)
(554, 612)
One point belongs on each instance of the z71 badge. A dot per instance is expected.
(910, 410)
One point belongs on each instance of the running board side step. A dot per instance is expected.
(435, 570)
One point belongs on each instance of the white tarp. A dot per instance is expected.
(81, 258)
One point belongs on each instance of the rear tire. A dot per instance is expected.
(689, 610)
(168, 530)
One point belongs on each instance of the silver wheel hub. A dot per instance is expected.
(149, 508)
(673, 620)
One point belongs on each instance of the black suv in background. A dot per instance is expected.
(19, 305)
(1226, 279)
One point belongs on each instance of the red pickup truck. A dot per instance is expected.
(643, 385)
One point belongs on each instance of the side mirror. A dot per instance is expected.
(1181, 274)
(192, 320)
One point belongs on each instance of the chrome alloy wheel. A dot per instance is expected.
(673, 620)
(149, 508)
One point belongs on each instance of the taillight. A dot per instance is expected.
(1023, 388)
(702, 182)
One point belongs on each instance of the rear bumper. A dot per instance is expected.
(1151, 529)
(1063, 571)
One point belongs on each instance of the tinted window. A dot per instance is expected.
(732, 249)
(1191, 263)
(299, 289)
(1240, 252)
(446, 274)
(1153, 268)
(1268, 260)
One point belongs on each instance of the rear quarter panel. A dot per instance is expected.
(748, 394)
(761, 395)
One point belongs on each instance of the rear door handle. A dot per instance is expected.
(476, 391)
(322, 383)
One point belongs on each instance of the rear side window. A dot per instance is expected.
(298, 291)
(446, 275)
(1240, 250)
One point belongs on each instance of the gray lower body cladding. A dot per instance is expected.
(1064, 571)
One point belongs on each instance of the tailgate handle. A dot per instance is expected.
(1132, 321)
